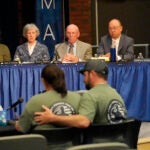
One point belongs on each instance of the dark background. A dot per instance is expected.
(14, 14)
(134, 14)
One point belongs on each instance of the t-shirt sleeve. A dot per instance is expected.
(25, 121)
(87, 107)
(26, 118)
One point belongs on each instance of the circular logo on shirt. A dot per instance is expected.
(116, 112)
(62, 108)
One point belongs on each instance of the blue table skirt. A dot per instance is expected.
(132, 81)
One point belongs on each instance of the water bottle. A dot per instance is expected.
(3, 121)
(1, 108)
(113, 54)
(140, 57)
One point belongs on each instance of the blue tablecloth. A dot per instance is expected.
(24, 81)
(132, 81)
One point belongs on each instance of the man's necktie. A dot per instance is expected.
(70, 49)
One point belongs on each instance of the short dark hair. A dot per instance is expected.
(104, 76)
(54, 76)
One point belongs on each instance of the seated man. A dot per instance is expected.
(56, 97)
(4, 53)
(73, 50)
(115, 38)
(100, 104)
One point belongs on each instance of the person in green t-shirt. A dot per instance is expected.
(100, 104)
(56, 97)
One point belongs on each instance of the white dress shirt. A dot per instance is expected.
(115, 43)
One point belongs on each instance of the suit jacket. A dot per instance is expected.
(40, 53)
(125, 48)
(4, 53)
(83, 50)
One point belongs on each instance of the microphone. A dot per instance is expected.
(20, 100)
(56, 61)
(123, 57)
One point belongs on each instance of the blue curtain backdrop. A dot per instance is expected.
(49, 19)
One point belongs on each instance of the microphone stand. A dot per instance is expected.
(56, 61)
(122, 59)
(15, 113)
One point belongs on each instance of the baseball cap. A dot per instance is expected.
(96, 65)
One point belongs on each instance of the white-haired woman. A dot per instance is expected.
(32, 50)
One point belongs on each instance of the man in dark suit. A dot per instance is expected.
(122, 43)
(73, 50)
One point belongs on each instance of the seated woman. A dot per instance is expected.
(32, 50)
(4, 53)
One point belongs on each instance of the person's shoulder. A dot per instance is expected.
(105, 37)
(74, 96)
(22, 45)
(60, 44)
(3, 45)
(84, 43)
(113, 90)
(73, 93)
(127, 37)
(41, 44)
(36, 98)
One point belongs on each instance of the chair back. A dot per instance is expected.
(101, 146)
(126, 132)
(60, 137)
(23, 142)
